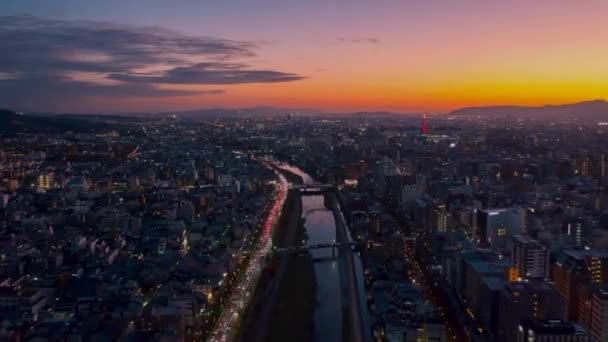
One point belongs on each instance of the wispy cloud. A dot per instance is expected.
(210, 73)
(44, 54)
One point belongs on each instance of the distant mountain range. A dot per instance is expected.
(596, 110)
(588, 110)
(253, 112)
(12, 122)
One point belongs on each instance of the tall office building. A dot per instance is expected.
(496, 225)
(574, 229)
(581, 165)
(439, 218)
(391, 180)
(517, 302)
(394, 187)
(479, 281)
(574, 272)
(374, 223)
(599, 314)
(45, 181)
(530, 257)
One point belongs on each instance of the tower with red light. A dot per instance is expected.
(423, 129)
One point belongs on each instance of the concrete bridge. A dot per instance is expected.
(333, 245)
(315, 188)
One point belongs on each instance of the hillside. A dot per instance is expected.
(11, 122)
(596, 110)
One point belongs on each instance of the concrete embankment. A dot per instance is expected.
(354, 330)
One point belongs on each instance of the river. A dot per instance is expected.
(320, 227)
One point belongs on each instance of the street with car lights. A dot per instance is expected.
(243, 291)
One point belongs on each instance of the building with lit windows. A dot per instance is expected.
(581, 165)
(598, 326)
(479, 281)
(45, 181)
(551, 331)
(496, 225)
(574, 229)
(439, 218)
(517, 302)
(574, 272)
(374, 223)
(530, 257)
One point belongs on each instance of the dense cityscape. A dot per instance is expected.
(354, 228)
(303, 171)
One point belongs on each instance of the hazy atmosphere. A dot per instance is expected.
(408, 56)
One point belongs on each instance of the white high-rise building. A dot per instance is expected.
(530, 257)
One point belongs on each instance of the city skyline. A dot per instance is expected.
(303, 171)
(435, 57)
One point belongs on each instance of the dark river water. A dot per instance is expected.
(321, 228)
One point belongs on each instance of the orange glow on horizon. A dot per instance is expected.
(394, 56)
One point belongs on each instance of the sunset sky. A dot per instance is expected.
(408, 56)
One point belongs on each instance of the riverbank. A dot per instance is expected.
(353, 329)
(292, 314)
(337, 314)
(293, 310)
(284, 305)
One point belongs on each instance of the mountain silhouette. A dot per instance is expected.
(596, 110)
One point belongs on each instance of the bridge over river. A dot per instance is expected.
(333, 245)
